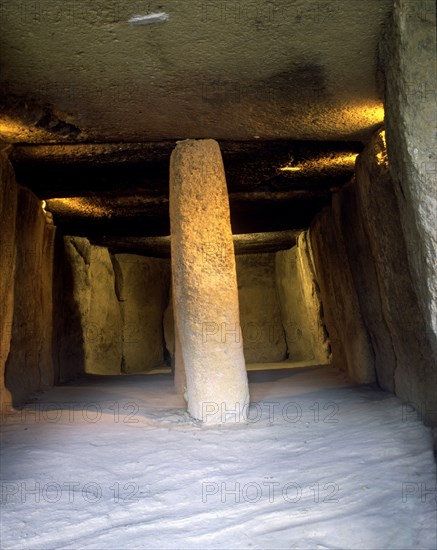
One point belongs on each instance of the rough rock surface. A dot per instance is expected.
(205, 294)
(414, 374)
(369, 287)
(260, 320)
(142, 289)
(254, 69)
(354, 198)
(260, 316)
(300, 304)
(408, 59)
(350, 343)
(180, 376)
(8, 215)
(99, 310)
(168, 327)
(29, 366)
(103, 346)
(68, 348)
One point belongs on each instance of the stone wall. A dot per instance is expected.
(27, 252)
(93, 292)
(363, 270)
(8, 216)
(350, 343)
(142, 289)
(114, 318)
(371, 307)
(267, 310)
(260, 314)
(140, 309)
(408, 74)
(68, 348)
(413, 372)
(300, 305)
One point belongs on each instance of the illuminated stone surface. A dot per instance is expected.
(351, 348)
(142, 285)
(247, 70)
(260, 316)
(300, 304)
(205, 295)
(409, 64)
(8, 213)
(97, 304)
(26, 287)
(413, 373)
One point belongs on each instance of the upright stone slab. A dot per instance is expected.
(348, 334)
(205, 295)
(260, 314)
(409, 63)
(8, 215)
(300, 302)
(142, 288)
(98, 310)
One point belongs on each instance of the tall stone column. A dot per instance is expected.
(205, 295)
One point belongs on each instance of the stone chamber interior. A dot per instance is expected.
(332, 199)
(206, 205)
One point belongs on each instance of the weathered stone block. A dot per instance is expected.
(97, 304)
(260, 316)
(205, 295)
(350, 344)
(8, 215)
(300, 304)
(409, 64)
(413, 371)
(142, 285)
(29, 364)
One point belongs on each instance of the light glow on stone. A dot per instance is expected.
(10, 129)
(333, 161)
(79, 206)
(381, 156)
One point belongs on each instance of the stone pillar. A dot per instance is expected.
(205, 295)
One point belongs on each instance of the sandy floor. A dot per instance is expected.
(117, 463)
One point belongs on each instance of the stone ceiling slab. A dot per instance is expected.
(79, 71)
